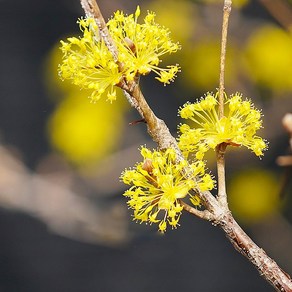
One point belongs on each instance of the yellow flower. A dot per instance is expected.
(238, 127)
(140, 46)
(89, 64)
(157, 185)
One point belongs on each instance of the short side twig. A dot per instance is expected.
(203, 214)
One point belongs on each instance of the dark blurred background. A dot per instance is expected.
(64, 223)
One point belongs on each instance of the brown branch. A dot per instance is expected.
(214, 211)
(157, 128)
(266, 266)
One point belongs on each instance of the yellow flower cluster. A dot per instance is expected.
(89, 64)
(237, 128)
(158, 184)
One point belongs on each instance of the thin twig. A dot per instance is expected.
(203, 214)
(220, 150)
(226, 13)
(222, 195)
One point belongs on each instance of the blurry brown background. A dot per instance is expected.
(64, 224)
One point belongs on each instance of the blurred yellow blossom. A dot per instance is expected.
(253, 195)
(268, 57)
(84, 133)
(184, 12)
(200, 64)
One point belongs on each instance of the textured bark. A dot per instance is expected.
(266, 266)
